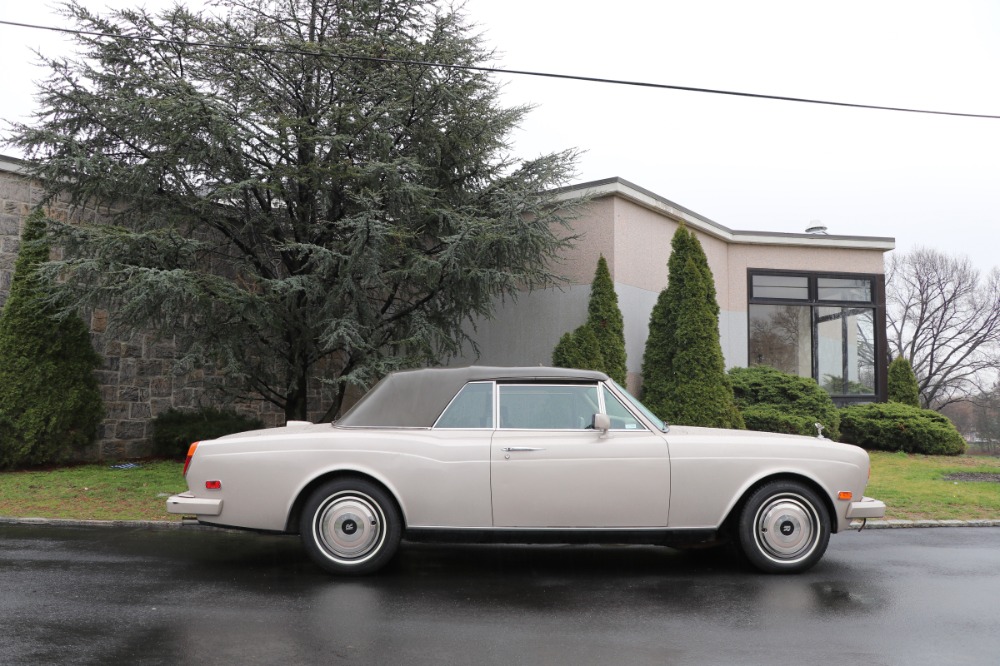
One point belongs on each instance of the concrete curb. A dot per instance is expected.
(904, 524)
(173, 525)
(68, 522)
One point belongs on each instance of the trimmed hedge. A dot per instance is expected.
(174, 430)
(769, 418)
(893, 426)
(775, 401)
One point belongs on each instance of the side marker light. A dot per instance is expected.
(213, 485)
(845, 495)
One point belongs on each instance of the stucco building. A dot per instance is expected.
(812, 304)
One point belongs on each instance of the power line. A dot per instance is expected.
(497, 70)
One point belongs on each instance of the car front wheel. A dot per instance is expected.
(784, 528)
(350, 526)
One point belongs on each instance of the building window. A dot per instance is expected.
(821, 326)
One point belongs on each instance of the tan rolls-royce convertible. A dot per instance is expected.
(524, 455)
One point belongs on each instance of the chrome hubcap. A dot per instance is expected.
(349, 527)
(786, 528)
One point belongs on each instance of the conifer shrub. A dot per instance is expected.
(579, 349)
(174, 430)
(893, 426)
(775, 401)
(50, 403)
(903, 386)
(604, 318)
(599, 344)
(683, 369)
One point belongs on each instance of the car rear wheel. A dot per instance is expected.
(350, 526)
(784, 528)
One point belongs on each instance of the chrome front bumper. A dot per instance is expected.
(866, 508)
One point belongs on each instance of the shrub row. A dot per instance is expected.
(893, 426)
(775, 401)
(175, 430)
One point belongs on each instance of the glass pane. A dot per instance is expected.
(781, 286)
(621, 418)
(861, 352)
(570, 407)
(471, 408)
(642, 408)
(846, 340)
(780, 336)
(830, 336)
(843, 289)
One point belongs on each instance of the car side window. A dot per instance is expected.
(471, 408)
(548, 407)
(621, 418)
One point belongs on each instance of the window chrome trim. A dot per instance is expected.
(493, 403)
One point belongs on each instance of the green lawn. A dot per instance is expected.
(92, 492)
(912, 486)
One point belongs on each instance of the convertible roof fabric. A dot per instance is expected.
(416, 398)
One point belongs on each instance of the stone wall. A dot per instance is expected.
(137, 379)
(15, 199)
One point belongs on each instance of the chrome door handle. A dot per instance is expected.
(508, 449)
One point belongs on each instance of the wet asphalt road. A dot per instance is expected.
(200, 596)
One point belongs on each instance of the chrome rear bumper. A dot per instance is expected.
(188, 504)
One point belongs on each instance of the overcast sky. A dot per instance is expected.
(744, 163)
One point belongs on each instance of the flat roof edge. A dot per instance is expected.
(12, 164)
(616, 186)
(827, 240)
(643, 197)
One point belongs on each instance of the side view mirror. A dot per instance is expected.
(602, 422)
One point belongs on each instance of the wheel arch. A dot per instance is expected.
(732, 518)
(295, 513)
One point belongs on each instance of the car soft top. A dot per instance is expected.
(415, 398)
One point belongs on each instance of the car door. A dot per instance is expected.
(550, 468)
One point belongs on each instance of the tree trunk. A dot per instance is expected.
(297, 404)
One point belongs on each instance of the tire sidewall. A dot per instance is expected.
(391, 527)
(747, 528)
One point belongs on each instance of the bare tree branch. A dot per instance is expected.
(944, 318)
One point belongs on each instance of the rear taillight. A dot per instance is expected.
(187, 461)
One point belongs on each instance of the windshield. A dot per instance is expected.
(642, 408)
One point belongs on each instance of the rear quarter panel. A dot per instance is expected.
(439, 478)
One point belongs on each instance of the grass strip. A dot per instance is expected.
(913, 487)
(93, 492)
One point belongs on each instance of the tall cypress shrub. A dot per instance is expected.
(50, 405)
(684, 374)
(604, 317)
(599, 344)
(903, 387)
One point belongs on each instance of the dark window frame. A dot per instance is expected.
(876, 304)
